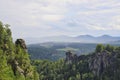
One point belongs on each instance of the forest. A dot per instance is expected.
(56, 50)
(14, 58)
(102, 64)
(15, 63)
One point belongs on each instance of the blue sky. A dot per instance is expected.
(42, 18)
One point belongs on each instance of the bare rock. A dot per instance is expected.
(100, 62)
(21, 43)
(70, 57)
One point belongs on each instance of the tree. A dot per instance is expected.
(99, 48)
(109, 48)
(14, 60)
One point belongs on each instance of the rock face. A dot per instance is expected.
(100, 61)
(14, 58)
(70, 57)
(21, 43)
(22, 59)
(16, 67)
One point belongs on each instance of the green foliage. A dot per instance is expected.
(59, 70)
(14, 60)
(79, 70)
(57, 50)
(109, 48)
(5, 70)
(99, 48)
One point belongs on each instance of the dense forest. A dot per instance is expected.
(56, 50)
(102, 64)
(15, 64)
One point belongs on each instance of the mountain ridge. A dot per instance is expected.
(80, 39)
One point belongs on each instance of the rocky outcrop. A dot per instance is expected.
(16, 67)
(97, 62)
(14, 58)
(100, 61)
(70, 57)
(21, 43)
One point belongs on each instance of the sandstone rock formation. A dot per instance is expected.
(21, 43)
(70, 57)
(100, 61)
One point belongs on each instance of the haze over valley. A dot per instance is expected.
(78, 39)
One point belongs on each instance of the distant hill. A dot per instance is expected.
(115, 42)
(80, 39)
(56, 50)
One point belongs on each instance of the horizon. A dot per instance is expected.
(66, 36)
(75, 36)
(61, 17)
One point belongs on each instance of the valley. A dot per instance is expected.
(56, 50)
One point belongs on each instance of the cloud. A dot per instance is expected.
(96, 12)
(61, 17)
(115, 23)
(52, 18)
(96, 27)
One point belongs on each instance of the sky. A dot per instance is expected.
(42, 18)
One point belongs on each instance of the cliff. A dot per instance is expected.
(104, 63)
(14, 59)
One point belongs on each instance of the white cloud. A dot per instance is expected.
(112, 25)
(95, 4)
(115, 23)
(61, 16)
(52, 18)
(95, 12)
(95, 27)
(45, 9)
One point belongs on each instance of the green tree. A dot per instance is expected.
(14, 60)
(99, 48)
(109, 48)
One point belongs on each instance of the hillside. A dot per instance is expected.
(14, 58)
(55, 50)
(102, 64)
